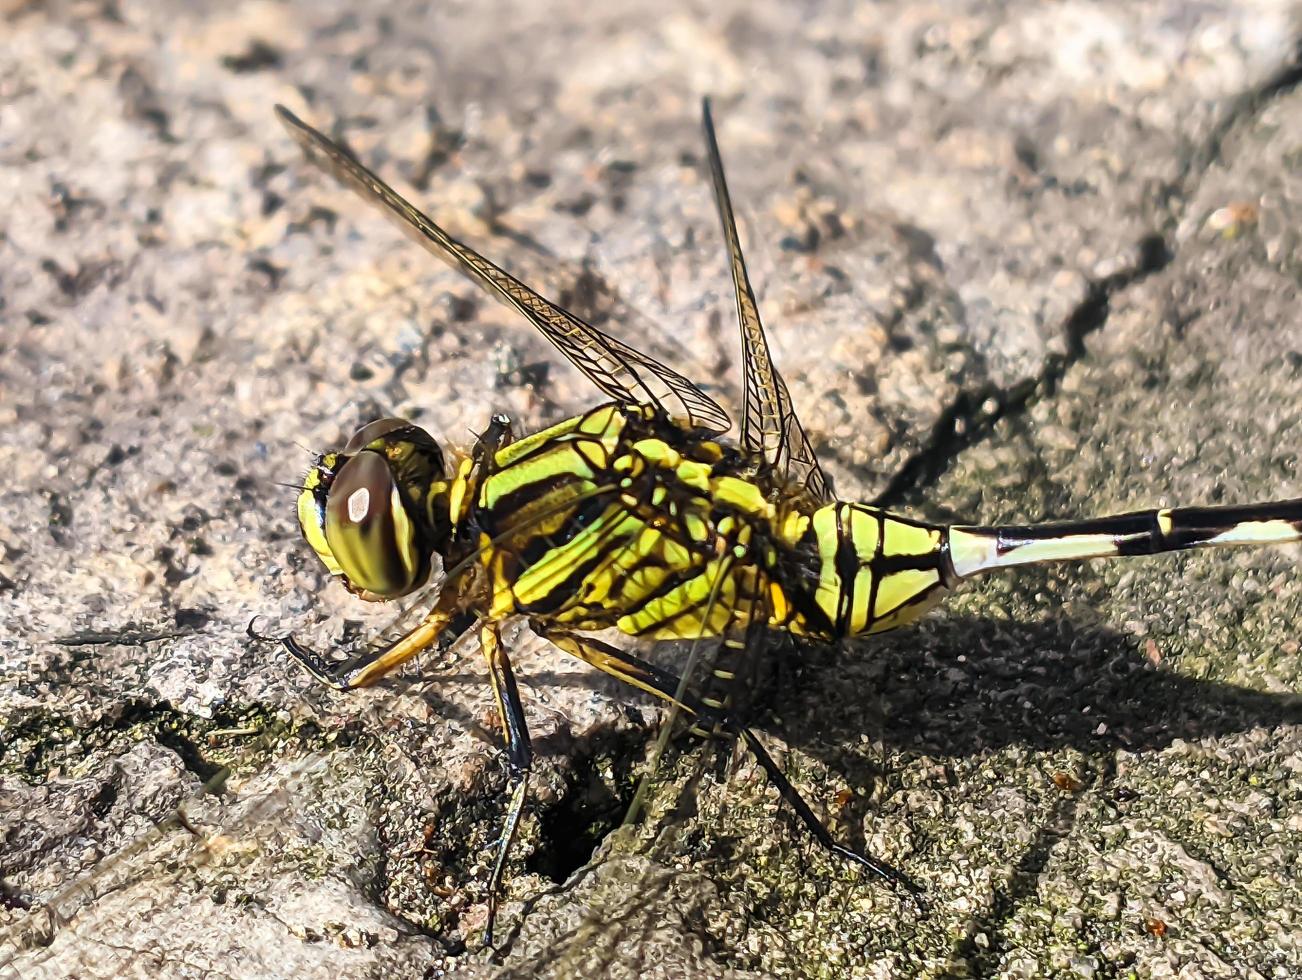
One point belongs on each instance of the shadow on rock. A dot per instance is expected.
(952, 687)
(958, 687)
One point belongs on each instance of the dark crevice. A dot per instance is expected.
(41, 742)
(127, 636)
(259, 56)
(1243, 108)
(972, 416)
(102, 802)
(601, 790)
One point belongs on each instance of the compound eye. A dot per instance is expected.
(368, 530)
(371, 431)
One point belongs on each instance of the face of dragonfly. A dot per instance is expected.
(369, 510)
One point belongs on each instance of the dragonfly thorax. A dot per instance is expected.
(371, 511)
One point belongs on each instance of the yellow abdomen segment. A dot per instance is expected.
(876, 571)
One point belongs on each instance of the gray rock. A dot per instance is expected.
(1017, 262)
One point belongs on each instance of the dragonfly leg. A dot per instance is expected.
(627, 668)
(811, 821)
(665, 684)
(497, 436)
(519, 758)
(369, 667)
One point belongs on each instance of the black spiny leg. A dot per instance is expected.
(519, 758)
(665, 684)
(369, 667)
(811, 821)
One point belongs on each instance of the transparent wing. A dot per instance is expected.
(769, 425)
(622, 373)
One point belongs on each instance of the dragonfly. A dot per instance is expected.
(641, 516)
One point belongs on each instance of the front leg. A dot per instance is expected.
(369, 667)
(519, 758)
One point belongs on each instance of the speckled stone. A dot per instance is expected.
(1017, 260)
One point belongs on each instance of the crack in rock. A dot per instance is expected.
(974, 413)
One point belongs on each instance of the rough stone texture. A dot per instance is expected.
(1018, 261)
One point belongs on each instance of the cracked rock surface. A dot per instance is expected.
(1017, 261)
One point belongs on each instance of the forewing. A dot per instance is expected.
(622, 373)
(769, 425)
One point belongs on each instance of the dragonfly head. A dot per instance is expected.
(369, 512)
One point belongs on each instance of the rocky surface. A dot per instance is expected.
(1018, 261)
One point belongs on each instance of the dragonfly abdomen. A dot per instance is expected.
(974, 550)
(867, 571)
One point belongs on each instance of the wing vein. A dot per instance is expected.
(618, 370)
(769, 424)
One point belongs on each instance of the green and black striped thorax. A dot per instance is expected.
(622, 517)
